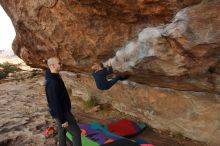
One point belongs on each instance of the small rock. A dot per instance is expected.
(95, 109)
(10, 74)
(42, 82)
(51, 141)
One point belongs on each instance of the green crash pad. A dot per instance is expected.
(85, 140)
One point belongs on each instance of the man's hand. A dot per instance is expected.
(65, 125)
(109, 63)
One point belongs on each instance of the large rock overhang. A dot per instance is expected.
(167, 43)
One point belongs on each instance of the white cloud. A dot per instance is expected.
(7, 32)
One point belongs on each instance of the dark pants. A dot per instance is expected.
(73, 128)
(110, 83)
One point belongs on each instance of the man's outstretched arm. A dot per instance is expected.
(108, 70)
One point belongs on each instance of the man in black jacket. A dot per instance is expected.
(59, 103)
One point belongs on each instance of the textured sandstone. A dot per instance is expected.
(193, 114)
(186, 50)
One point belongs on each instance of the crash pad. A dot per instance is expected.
(122, 142)
(126, 127)
(85, 141)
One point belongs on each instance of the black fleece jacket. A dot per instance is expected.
(57, 96)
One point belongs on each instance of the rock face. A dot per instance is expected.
(163, 44)
(192, 114)
(180, 52)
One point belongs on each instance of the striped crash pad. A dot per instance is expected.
(95, 134)
(122, 142)
(85, 141)
(98, 133)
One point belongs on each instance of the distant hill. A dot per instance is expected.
(6, 53)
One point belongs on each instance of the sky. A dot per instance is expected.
(7, 32)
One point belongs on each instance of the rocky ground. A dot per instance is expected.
(24, 115)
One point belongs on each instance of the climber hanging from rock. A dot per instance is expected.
(100, 73)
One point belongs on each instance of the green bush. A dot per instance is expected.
(92, 102)
(34, 73)
(2, 75)
(7, 68)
